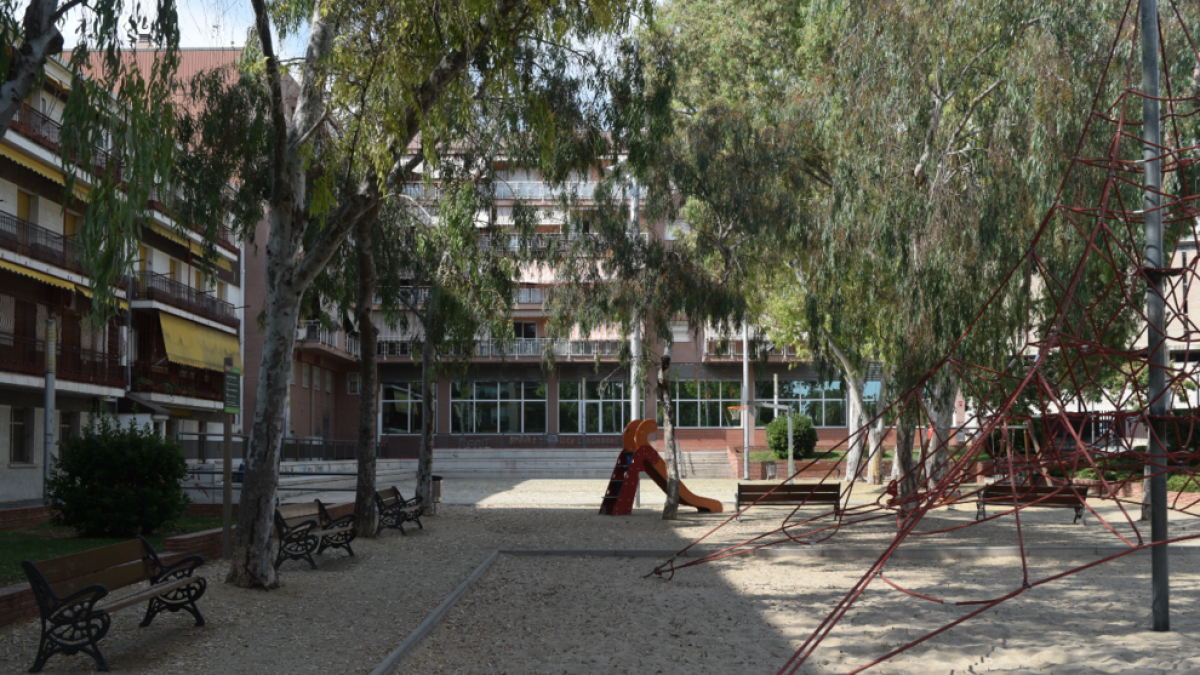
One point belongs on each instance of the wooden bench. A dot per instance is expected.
(795, 494)
(305, 528)
(394, 510)
(1052, 496)
(69, 591)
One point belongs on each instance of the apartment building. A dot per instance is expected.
(507, 398)
(160, 360)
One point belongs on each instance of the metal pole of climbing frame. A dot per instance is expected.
(1156, 350)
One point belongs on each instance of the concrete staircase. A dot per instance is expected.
(706, 465)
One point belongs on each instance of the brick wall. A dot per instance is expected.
(208, 510)
(15, 519)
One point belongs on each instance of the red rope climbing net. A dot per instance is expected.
(1080, 377)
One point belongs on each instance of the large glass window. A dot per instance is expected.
(704, 404)
(593, 407)
(401, 407)
(824, 402)
(498, 408)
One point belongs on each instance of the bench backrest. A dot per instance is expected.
(294, 514)
(798, 491)
(389, 496)
(115, 566)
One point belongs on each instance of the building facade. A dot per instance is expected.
(159, 360)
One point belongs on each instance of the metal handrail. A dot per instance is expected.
(75, 364)
(516, 348)
(148, 285)
(47, 132)
(35, 241)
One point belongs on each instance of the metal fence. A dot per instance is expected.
(211, 447)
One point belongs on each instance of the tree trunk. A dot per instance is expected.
(878, 433)
(368, 407)
(937, 460)
(40, 39)
(252, 565)
(904, 470)
(856, 415)
(425, 463)
(671, 508)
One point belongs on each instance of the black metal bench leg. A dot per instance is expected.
(46, 649)
(1079, 515)
(156, 605)
(94, 652)
(418, 519)
(192, 609)
(348, 549)
(980, 511)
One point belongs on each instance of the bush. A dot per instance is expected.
(118, 481)
(804, 436)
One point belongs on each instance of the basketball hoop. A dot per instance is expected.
(735, 411)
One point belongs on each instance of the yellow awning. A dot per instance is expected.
(190, 344)
(41, 169)
(196, 248)
(34, 274)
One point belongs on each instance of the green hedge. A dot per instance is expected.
(804, 437)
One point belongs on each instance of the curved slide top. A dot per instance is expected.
(656, 468)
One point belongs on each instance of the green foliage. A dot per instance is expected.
(804, 437)
(118, 481)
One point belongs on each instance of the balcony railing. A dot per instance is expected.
(315, 331)
(28, 355)
(524, 190)
(160, 288)
(46, 132)
(164, 377)
(22, 236)
(168, 205)
(732, 349)
(523, 347)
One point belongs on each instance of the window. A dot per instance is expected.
(498, 408)
(524, 330)
(529, 294)
(701, 404)
(680, 332)
(329, 382)
(20, 447)
(593, 407)
(24, 205)
(304, 371)
(221, 290)
(317, 378)
(173, 271)
(143, 259)
(69, 224)
(824, 403)
(352, 383)
(401, 408)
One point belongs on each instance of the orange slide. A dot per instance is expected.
(658, 473)
(656, 468)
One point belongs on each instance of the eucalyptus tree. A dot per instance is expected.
(374, 76)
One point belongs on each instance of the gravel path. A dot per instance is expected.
(568, 615)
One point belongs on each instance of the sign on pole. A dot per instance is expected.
(233, 389)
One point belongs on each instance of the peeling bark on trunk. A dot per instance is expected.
(937, 459)
(425, 463)
(671, 508)
(368, 406)
(857, 415)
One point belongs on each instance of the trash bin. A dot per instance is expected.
(771, 471)
(436, 490)
(240, 473)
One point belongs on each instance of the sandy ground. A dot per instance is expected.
(599, 615)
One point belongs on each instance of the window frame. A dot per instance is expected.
(521, 396)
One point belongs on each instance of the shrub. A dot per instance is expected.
(804, 436)
(118, 481)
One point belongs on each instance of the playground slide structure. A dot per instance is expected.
(639, 456)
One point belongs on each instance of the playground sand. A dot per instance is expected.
(594, 615)
(598, 615)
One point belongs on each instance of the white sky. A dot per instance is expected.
(204, 23)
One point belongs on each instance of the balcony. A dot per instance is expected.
(45, 131)
(164, 377)
(523, 347)
(160, 288)
(168, 205)
(314, 332)
(731, 349)
(22, 236)
(28, 356)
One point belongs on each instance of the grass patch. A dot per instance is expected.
(46, 541)
(820, 455)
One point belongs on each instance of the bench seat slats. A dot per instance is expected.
(114, 577)
(144, 595)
